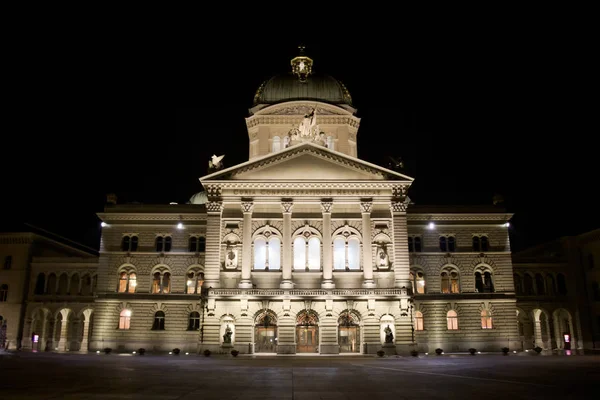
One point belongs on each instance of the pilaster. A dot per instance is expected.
(400, 234)
(213, 246)
(326, 208)
(366, 207)
(286, 283)
(246, 282)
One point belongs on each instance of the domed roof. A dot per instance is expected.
(288, 87)
(199, 198)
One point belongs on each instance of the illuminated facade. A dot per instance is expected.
(304, 248)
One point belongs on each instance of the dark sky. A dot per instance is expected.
(470, 115)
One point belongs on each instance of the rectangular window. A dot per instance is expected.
(7, 262)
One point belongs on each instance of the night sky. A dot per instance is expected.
(469, 116)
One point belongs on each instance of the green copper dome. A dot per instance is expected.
(289, 87)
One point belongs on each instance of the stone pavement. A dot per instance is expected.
(162, 377)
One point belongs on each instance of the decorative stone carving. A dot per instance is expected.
(302, 110)
(286, 206)
(213, 191)
(398, 206)
(231, 257)
(366, 206)
(247, 206)
(214, 206)
(326, 206)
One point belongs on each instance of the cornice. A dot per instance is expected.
(173, 217)
(458, 217)
(339, 185)
(306, 293)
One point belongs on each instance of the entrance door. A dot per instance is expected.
(307, 339)
(265, 339)
(349, 339)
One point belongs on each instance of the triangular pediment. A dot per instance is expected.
(306, 162)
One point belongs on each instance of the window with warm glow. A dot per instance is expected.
(123, 282)
(450, 281)
(418, 321)
(193, 284)
(127, 282)
(486, 319)
(125, 319)
(452, 320)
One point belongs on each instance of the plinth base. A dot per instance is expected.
(245, 284)
(327, 284)
(389, 349)
(286, 284)
(369, 284)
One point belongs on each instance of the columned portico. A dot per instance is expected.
(246, 282)
(286, 282)
(368, 281)
(326, 206)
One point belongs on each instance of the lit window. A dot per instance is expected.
(346, 253)
(194, 281)
(125, 319)
(452, 320)
(307, 253)
(418, 321)
(450, 280)
(161, 282)
(486, 320)
(267, 254)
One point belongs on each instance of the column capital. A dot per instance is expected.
(366, 206)
(247, 206)
(214, 206)
(326, 206)
(286, 206)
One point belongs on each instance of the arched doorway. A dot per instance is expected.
(307, 332)
(563, 330)
(265, 332)
(348, 333)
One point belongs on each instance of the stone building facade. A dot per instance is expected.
(304, 248)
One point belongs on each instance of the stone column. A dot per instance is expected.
(212, 263)
(400, 237)
(286, 282)
(44, 333)
(86, 330)
(326, 207)
(365, 207)
(63, 342)
(246, 282)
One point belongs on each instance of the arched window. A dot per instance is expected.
(125, 319)
(483, 280)
(63, 284)
(51, 286)
(129, 243)
(196, 244)
(476, 243)
(411, 246)
(417, 240)
(518, 284)
(339, 254)
(418, 321)
(74, 286)
(40, 283)
(450, 280)
(86, 285)
(418, 282)
(562, 284)
(159, 321)
(551, 288)
(452, 320)
(451, 244)
(193, 244)
(346, 249)
(193, 284)
(478, 282)
(486, 319)
(127, 282)
(260, 253)
(3, 292)
(443, 243)
(267, 254)
(528, 285)
(484, 243)
(194, 321)
(307, 249)
(539, 285)
(161, 282)
(163, 243)
(276, 144)
(159, 243)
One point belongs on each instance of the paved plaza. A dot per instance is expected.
(153, 377)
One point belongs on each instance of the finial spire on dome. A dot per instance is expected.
(302, 65)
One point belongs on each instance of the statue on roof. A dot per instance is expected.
(215, 163)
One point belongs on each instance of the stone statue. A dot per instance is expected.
(382, 257)
(286, 141)
(389, 336)
(227, 335)
(215, 163)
